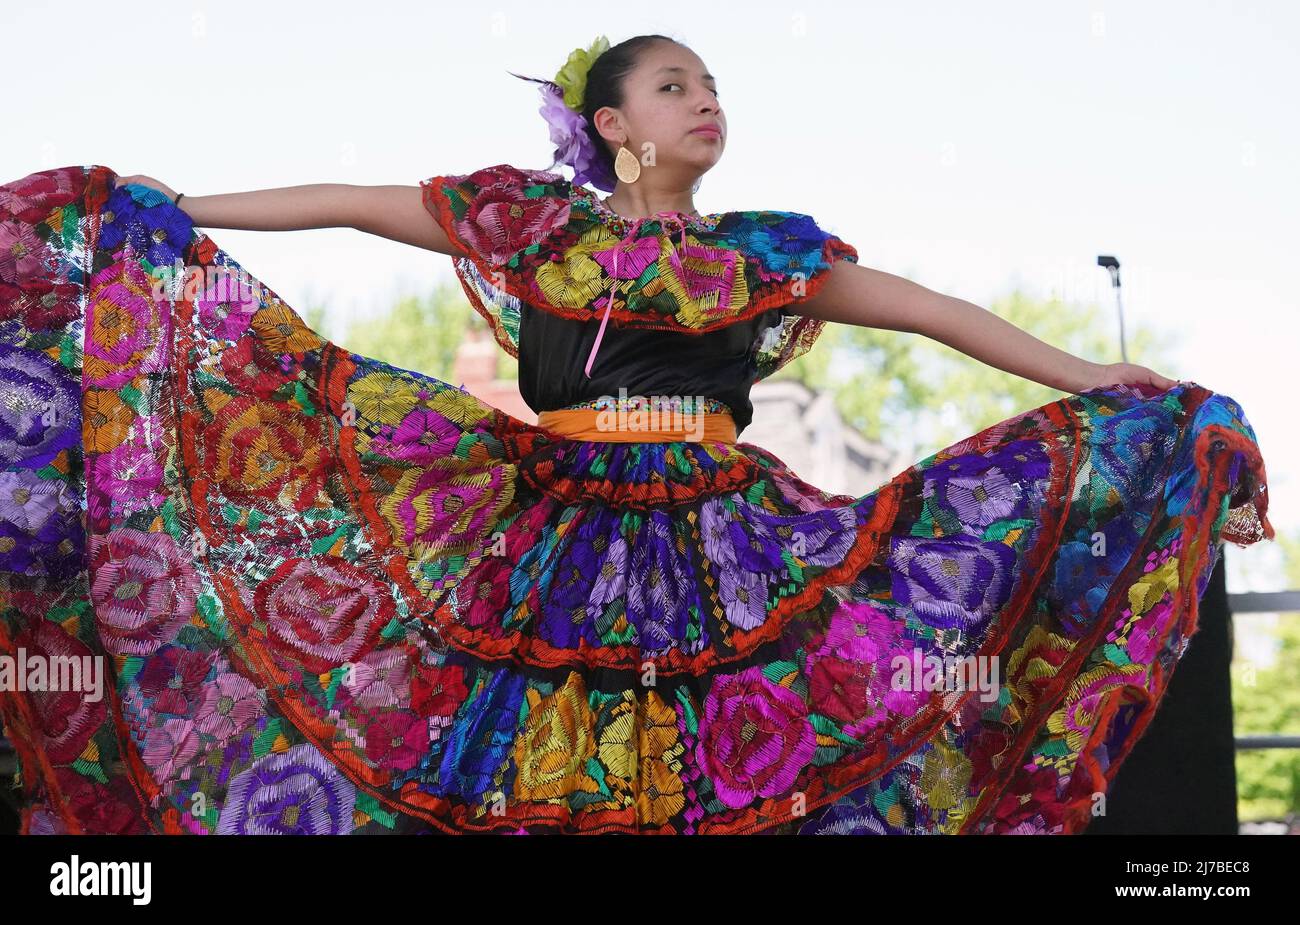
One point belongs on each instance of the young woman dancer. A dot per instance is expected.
(329, 595)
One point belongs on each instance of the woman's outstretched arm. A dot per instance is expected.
(854, 294)
(394, 212)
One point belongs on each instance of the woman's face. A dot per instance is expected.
(666, 99)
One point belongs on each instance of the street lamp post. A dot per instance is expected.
(1112, 264)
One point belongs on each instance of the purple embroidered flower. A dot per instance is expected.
(170, 747)
(422, 437)
(823, 538)
(979, 500)
(230, 705)
(226, 308)
(953, 582)
(131, 475)
(40, 408)
(847, 818)
(563, 619)
(28, 501)
(574, 609)
(754, 738)
(46, 822)
(742, 570)
(661, 592)
(744, 597)
(715, 525)
(18, 552)
(609, 577)
(980, 489)
(298, 792)
(40, 531)
(146, 219)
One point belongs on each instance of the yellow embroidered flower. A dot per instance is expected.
(382, 398)
(707, 283)
(1038, 659)
(1076, 720)
(946, 776)
(459, 407)
(105, 420)
(283, 331)
(660, 795)
(576, 279)
(617, 749)
(555, 744)
(1151, 588)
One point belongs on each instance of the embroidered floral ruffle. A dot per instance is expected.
(534, 236)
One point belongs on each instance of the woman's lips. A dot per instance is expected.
(707, 131)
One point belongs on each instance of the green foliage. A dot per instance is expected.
(884, 381)
(1266, 701)
(884, 378)
(419, 333)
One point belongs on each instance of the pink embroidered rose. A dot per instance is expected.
(755, 737)
(143, 588)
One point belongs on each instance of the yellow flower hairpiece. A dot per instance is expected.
(572, 78)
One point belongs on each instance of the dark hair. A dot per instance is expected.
(605, 85)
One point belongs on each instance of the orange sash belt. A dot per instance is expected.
(585, 424)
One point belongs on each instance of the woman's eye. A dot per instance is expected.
(666, 86)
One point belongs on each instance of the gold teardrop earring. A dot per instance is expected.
(626, 165)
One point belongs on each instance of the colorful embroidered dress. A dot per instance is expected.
(334, 596)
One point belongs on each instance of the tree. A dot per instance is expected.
(1266, 701)
(915, 394)
(418, 333)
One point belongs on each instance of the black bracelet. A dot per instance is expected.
(177, 200)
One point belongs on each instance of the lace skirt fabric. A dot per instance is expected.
(330, 595)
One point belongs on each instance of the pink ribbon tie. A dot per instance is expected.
(665, 218)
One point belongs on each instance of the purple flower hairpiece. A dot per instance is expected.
(573, 144)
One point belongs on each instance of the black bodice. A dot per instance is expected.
(718, 364)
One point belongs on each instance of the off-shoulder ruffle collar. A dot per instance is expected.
(533, 236)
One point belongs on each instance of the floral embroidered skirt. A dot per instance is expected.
(328, 595)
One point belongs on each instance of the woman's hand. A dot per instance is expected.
(1127, 374)
(149, 182)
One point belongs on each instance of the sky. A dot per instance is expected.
(973, 148)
